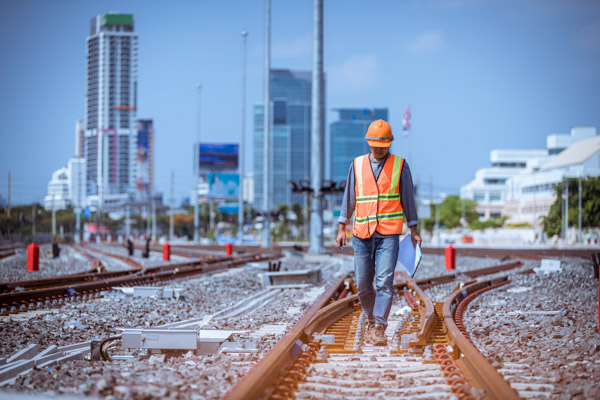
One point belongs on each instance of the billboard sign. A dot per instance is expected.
(229, 208)
(223, 186)
(218, 156)
(142, 180)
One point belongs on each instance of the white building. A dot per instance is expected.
(489, 187)
(531, 193)
(58, 190)
(520, 183)
(67, 186)
(110, 125)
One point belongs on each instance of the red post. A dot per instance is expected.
(166, 251)
(228, 249)
(33, 257)
(450, 258)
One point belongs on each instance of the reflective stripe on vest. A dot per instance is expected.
(378, 205)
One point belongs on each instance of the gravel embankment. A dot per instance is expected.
(188, 377)
(432, 265)
(100, 318)
(211, 376)
(541, 331)
(14, 268)
(154, 257)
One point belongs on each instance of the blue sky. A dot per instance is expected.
(479, 75)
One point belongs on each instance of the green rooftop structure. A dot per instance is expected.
(118, 19)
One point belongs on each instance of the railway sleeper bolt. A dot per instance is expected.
(290, 382)
(4, 310)
(31, 306)
(14, 308)
(452, 372)
(40, 303)
(285, 389)
(457, 383)
(304, 362)
(464, 393)
(299, 367)
(296, 375)
(23, 306)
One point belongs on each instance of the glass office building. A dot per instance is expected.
(347, 139)
(291, 136)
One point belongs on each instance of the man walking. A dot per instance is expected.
(379, 190)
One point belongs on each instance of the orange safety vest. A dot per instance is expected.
(378, 205)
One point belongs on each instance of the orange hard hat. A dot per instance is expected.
(379, 134)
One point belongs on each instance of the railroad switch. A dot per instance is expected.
(209, 341)
(297, 278)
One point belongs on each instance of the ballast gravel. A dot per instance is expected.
(541, 331)
(154, 257)
(14, 268)
(193, 376)
(183, 377)
(85, 320)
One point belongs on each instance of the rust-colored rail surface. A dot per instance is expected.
(528, 254)
(266, 372)
(7, 250)
(56, 288)
(270, 371)
(469, 358)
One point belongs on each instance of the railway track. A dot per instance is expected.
(23, 296)
(529, 254)
(427, 355)
(496, 253)
(8, 250)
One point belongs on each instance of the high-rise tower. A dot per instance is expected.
(111, 126)
(290, 131)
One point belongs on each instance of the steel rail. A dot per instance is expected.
(469, 357)
(91, 275)
(150, 275)
(257, 382)
(62, 279)
(127, 260)
(530, 253)
(330, 314)
(471, 274)
(265, 373)
(428, 315)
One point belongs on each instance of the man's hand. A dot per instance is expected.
(415, 237)
(340, 240)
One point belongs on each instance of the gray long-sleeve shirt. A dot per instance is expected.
(406, 193)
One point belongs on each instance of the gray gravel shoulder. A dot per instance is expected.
(542, 331)
(188, 377)
(14, 268)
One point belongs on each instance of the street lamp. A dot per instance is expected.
(242, 144)
(197, 169)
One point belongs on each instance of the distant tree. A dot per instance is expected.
(450, 212)
(489, 223)
(590, 205)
